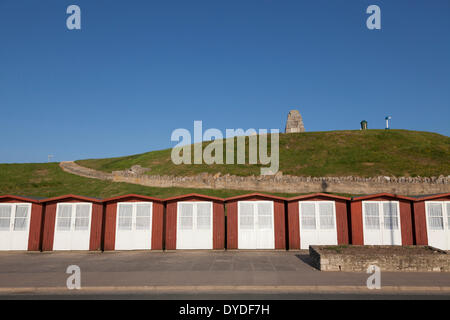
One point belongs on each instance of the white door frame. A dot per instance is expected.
(184, 244)
(441, 240)
(15, 239)
(68, 238)
(316, 239)
(140, 236)
(256, 231)
(396, 234)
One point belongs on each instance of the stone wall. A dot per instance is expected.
(277, 183)
(409, 258)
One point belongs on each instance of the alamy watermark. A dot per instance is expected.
(214, 152)
(374, 281)
(74, 280)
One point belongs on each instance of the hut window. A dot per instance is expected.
(64, 217)
(308, 216)
(372, 216)
(5, 217)
(326, 215)
(73, 216)
(448, 214)
(264, 215)
(82, 217)
(143, 216)
(21, 218)
(390, 215)
(246, 219)
(435, 216)
(186, 216)
(125, 216)
(203, 216)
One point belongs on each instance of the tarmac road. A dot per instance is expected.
(201, 275)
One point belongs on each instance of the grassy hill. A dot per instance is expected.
(332, 153)
(335, 153)
(49, 180)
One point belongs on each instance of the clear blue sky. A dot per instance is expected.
(140, 69)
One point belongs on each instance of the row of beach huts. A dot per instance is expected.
(195, 221)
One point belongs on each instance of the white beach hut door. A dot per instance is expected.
(247, 227)
(256, 225)
(381, 223)
(317, 223)
(194, 225)
(73, 226)
(134, 226)
(438, 224)
(14, 226)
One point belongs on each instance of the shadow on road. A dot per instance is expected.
(305, 258)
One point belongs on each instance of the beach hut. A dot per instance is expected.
(194, 221)
(432, 221)
(20, 223)
(317, 219)
(381, 219)
(256, 221)
(133, 222)
(72, 222)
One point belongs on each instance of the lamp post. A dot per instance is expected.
(387, 121)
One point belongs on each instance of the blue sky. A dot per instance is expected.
(137, 70)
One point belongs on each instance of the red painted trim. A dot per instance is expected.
(49, 226)
(436, 197)
(383, 195)
(193, 195)
(406, 224)
(34, 237)
(157, 226)
(232, 225)
(96, 227)
(342, 222)
(218, 226)
(293, 225)
(318, 195)
(11, 198)
(279, 224)
(254, 196)
(110, 226)
(171, 226)
(69, 198)
(357, 223)
(131, 197)
(420, 223)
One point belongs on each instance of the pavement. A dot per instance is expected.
(199, 274)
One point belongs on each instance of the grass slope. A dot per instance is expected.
(49, 180)
(332, 153)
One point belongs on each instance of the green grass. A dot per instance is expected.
(332, 153)
(49, 180)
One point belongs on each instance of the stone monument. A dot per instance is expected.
(294, 122)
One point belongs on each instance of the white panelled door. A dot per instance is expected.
(14, 226)
(73, 226)
(381, 223)
(256, 225)
(194, 225)
(438, 224)
(317, 223)
(134, 226)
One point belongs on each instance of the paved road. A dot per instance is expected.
(192, 269)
